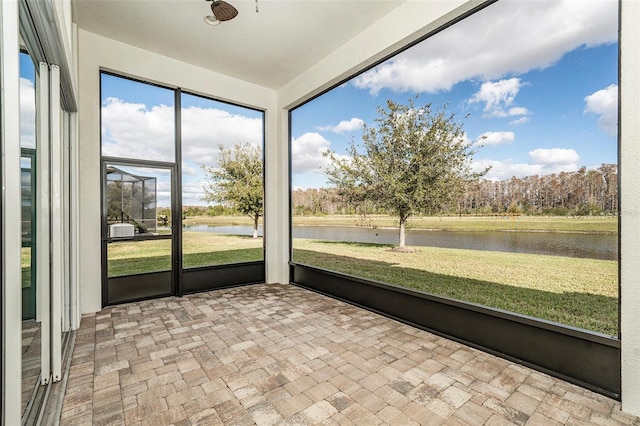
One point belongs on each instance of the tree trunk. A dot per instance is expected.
(402, 234)
(255, 226)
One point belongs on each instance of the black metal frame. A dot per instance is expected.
(140, 286)
(183, 280)
(588, 359)
(228, 275)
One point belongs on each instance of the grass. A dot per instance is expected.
(199, 249)
(574, 224)
(25, 264)
(578, 292)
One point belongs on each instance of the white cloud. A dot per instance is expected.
(27, 114)
(495, 138)
(344, 126)
(605, 104)
(131, 130)
(543, 162)
(554, 156)
(189, 170)
(134, 131)
(501, 170)
(204, 129)
(498, 96)
(307, 153)
(509, 37)
(520, 120)
(517, 111)
(192, 193)
(504, 170)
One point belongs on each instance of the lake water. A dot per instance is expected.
(592, 246)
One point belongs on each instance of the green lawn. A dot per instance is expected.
(578, 292)
(25, 263)
(199, 249)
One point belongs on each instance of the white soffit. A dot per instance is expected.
(268, 48)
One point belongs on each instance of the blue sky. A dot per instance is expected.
(537, 78)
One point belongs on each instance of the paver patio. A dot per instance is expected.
(279, 354)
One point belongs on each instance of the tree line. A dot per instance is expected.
(581, 193)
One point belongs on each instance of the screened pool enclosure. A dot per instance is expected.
(131, 203)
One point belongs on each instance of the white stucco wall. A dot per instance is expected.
(630, 204)
(97, 52)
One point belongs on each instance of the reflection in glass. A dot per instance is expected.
(216, 137)
(31, 333)
(131, 203)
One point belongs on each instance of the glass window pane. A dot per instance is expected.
(137, 120)
(222, 181)
(31, 328)
(27, 102)
(527, 105)
(139, 237)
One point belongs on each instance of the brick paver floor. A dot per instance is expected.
(279, 354)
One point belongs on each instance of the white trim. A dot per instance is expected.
(74, 284)
(66, 206)
(630, 204)
(43, 272)
(57, 225)
(11, 226)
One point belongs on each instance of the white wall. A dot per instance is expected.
(630, 204)
(97, 52)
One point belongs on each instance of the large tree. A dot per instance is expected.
(237, 181)
(414, 160)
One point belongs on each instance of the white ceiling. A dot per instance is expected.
(268, 48)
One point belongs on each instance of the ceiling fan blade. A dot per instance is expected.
(223, 10)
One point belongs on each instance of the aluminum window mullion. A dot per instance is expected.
(43, 273)
(57, 225)
(75, 224)
(11, 226)
(66, 214)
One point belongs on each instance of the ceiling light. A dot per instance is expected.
(211, 20)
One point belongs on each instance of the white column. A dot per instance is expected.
(11, 225)
(630, 204)
(276, 198)
(43, 272)
(284, 216)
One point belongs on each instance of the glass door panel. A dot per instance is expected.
(138, 241)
